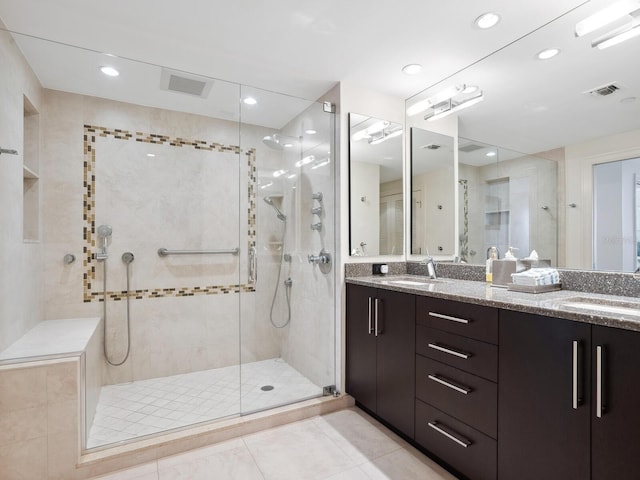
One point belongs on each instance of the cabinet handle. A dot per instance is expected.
(463, 442)
(447, 317)
(599, 381)
(448, 383)
(376, 317)
(370, 318)
(574, 376)
(449, 350)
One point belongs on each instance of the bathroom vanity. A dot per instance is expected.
(503, 384)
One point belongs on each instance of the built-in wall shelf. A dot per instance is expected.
(30, 175)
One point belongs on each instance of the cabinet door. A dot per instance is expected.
(614, 432)
(540, 433)
(361, 346)
(396, 359)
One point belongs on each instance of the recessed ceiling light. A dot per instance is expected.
(470, 89)
(548, 53)
(151, 154)
(310, 132)
(249, 101)
(487, 20)
(412, 68)
(110, 71)
(287, 145)
(491, 154)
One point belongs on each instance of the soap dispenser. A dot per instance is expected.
(492, 255)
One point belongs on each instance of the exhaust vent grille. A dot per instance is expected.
(471, 147)
(184, 83)
(604, 90)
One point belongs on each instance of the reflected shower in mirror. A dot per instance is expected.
(507, 199)
(432, 193)
(376, 187)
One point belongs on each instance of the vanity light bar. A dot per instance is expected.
(436, 99)
(451, 107)
(385, 136)
(606, 16)
(616, 37)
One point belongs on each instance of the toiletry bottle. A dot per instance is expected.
(493, 255)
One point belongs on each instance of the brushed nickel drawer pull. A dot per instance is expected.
(370, 331)
(574, 374)
(599, 382)
(449, 350)
(450, 384)
(462, 442)
(447, 317)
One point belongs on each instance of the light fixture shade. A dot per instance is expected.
(616, 37)
(606, 16)
(452, 107)
(439, 97)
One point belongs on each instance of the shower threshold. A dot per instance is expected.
(146, 407)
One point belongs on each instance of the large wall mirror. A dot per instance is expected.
(376, 187)
(432, 193)
(566, 115)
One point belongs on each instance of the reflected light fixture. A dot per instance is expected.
(279, 173)
(439, 97)
(487, 20)
(109, 71)
(384, 136)
(310, 132)
(266, 185)
(326, 161)
(548, 53)
(617, 36)
(305, 161)
(370, 131)
(490, 154)
(450, 106)
(249, 101)
(412, 69)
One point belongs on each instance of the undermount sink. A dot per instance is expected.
(601, 305)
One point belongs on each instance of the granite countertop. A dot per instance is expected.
(598, 309)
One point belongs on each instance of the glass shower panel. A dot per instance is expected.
(287, 309)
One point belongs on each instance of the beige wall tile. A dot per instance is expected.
(22, 388)
(62, 381)
(64, 452)
(63, 417)
(24, 460)
(21, 425)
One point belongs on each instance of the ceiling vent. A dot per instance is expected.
(604, 91)
(471, 147)
(185, 83)
(431, 146)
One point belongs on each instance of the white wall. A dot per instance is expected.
(20, 262)
(365, 221)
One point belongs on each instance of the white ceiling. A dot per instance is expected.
(299, 47)
(303, 48)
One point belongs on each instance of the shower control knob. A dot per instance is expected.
(324, 257)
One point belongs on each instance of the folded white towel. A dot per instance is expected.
(536, 276)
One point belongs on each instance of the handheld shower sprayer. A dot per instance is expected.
(104, 233)
(280, 215)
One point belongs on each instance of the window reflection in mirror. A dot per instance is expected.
(376, 186)
(432, 193)
(615, 215)
(506, 199)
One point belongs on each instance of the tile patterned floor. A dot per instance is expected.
(145, 407)
(344, 445)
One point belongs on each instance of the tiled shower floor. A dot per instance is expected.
(144, 407)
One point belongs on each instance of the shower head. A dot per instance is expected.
(279, 142)
(105, 231)
(280, 215)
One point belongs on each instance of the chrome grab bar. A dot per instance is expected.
(163, 252)
(253, 265)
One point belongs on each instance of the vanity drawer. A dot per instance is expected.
(465, 449)
(466, 319)
(467, 354)
(466, 397)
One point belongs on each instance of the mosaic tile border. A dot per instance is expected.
(88, 212)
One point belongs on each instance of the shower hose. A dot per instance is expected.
(104, 313)
(287, 285)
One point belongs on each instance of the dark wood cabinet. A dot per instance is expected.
(614, 445)
(542, 432)
(380, 362)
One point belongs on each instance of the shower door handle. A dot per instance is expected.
(253, 265)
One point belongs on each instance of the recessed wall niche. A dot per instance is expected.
(30, 177)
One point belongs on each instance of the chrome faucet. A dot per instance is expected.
(431, 267)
